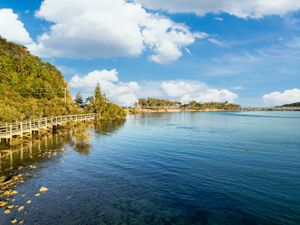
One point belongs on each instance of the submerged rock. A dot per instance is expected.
(14, 192)
(21, 208)
(43, 189)
(10, 192)
(14, 221)
(7, 211)
(28, 202)
(2, 204)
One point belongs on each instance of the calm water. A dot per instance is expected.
(175, 168)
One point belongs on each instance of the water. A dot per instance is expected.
(168, 168)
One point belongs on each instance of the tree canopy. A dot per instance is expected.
(29, 87)
(106, 110)
(296, 104)
(162, 103)
(156, 103)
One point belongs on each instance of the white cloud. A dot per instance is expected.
(100, 28)
(187, 91)
(182, 88)
(127, 93)
(12, 28)
(121, 92)
(239, 8)
(280, 98)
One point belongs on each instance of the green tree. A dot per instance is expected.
(29, 87)
(79, 99)
(105, 110)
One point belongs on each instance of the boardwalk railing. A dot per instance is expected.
(8, 130)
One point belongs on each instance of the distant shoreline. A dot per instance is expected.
(256, 109)
(141, 111)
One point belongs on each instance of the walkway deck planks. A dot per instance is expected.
(22, 129)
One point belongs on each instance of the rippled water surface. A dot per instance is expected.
(173, 168)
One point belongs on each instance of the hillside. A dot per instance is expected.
(30, 88)
(296, 104)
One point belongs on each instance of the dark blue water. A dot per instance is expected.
(173, 168)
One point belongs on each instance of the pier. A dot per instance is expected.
(26, 129)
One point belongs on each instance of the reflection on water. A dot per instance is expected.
(38, 150)
(109, 127)
(44, 148)
(82, 148)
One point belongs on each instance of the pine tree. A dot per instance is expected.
(79, 99)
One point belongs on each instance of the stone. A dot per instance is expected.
(37, 194)
(6, 193)
(7, 211)
(14, 221)
(14, 192)
(10, 206)
(43, 189)
(28, 202)
(21, 208)
(2, 204)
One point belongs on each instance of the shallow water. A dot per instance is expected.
(167, 168)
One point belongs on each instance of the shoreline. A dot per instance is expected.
(171, 110)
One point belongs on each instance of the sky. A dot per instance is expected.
(242, 51)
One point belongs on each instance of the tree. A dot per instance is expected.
(99, 101)
(79, 99)
(100, 104)
(29, 87)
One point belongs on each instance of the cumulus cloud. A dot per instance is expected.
(127, 93)
(182, 88)
(100, 28)
(12, 28)
(120, 92)
(239, 8)
(280, 98)
(187, 91)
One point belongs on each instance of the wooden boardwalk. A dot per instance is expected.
(27, 128)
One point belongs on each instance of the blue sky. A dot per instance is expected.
(242, 51)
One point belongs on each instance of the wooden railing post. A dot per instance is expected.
(21, 128)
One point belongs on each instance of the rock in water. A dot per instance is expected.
(2, 204)
(14, 192)
(7, 211)
(21, 208)
(43, 189)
